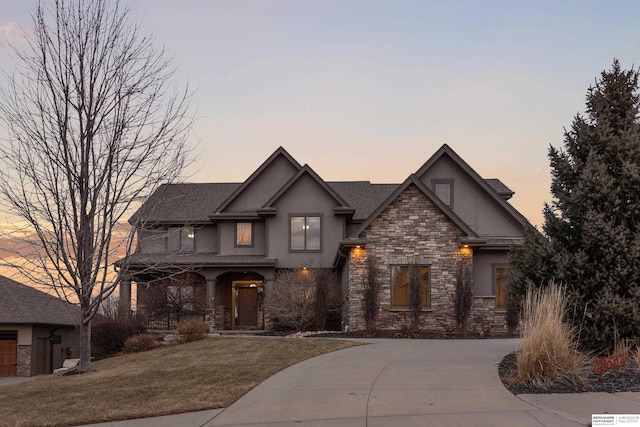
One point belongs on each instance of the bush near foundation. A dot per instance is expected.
(192, 329)
(301, 300)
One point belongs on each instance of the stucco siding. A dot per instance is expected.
(483, 264)
(152, 241)
(471, 203)
(305, 198)
(228, 239)
(263, 187)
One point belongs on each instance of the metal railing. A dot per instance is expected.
(168, 321)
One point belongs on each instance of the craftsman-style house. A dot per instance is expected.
(221, 244)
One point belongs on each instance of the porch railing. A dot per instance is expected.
(168, 321)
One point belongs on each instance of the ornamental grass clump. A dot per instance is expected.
(549, 352)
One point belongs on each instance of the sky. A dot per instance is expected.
(369, 90)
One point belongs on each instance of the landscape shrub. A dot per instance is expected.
(370, 298)
(110, 329)
(302, 300)
(549, 350)
(463, 299)
(192, 329)
(140, 342)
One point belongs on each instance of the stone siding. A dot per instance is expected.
(485, 318)
(23, 361)
(412, 229)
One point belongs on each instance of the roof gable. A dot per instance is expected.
(23, 304)
(495, 191)
(279, 158)
(414, 180)
(307, 171)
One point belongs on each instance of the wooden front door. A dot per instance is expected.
(247, 308)
(8, 358)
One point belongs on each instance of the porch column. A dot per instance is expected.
(125, 296)
(210, 306)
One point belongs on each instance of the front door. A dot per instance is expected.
(247, 308)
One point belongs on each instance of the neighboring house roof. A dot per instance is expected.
(414, 180)
(21, 304)
(184, 203)
(487, 185)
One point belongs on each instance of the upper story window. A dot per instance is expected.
(305, 233)
(180, 239)
(444, 190)
(401, 282)
(244, 234)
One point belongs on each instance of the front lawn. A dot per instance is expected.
(207, 374)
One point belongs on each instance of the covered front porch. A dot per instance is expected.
(227, 299)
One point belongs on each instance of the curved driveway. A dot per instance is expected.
(392, 383)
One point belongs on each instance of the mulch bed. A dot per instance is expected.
(627, 380)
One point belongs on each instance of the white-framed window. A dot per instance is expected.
(305, 233)
(244, 234)
(401, 288)
(181, 239)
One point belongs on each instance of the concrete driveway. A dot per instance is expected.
(400, 383)
(392, 383)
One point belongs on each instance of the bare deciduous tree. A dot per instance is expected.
(93, 129)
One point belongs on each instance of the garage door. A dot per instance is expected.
(8, 353)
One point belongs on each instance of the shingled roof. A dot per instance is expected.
(21, 304)
(363, 196)
(185, 203)
(193, 203)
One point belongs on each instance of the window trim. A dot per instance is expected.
(391, 293)
(235, 237)
(180, 231)
(305, 216)
(450, 182)
(494, 284)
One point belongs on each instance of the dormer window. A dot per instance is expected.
(180, 239)
(444, 190)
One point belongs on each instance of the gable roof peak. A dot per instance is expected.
(280, 152)
(413, 179)
(307, 170)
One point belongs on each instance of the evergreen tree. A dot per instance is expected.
(591, 238)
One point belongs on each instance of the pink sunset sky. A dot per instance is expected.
(369, 90)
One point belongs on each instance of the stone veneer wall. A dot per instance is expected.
(484, 318)
(23, 361)
(410, 230)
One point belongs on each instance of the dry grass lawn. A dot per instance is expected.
(207, 374)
